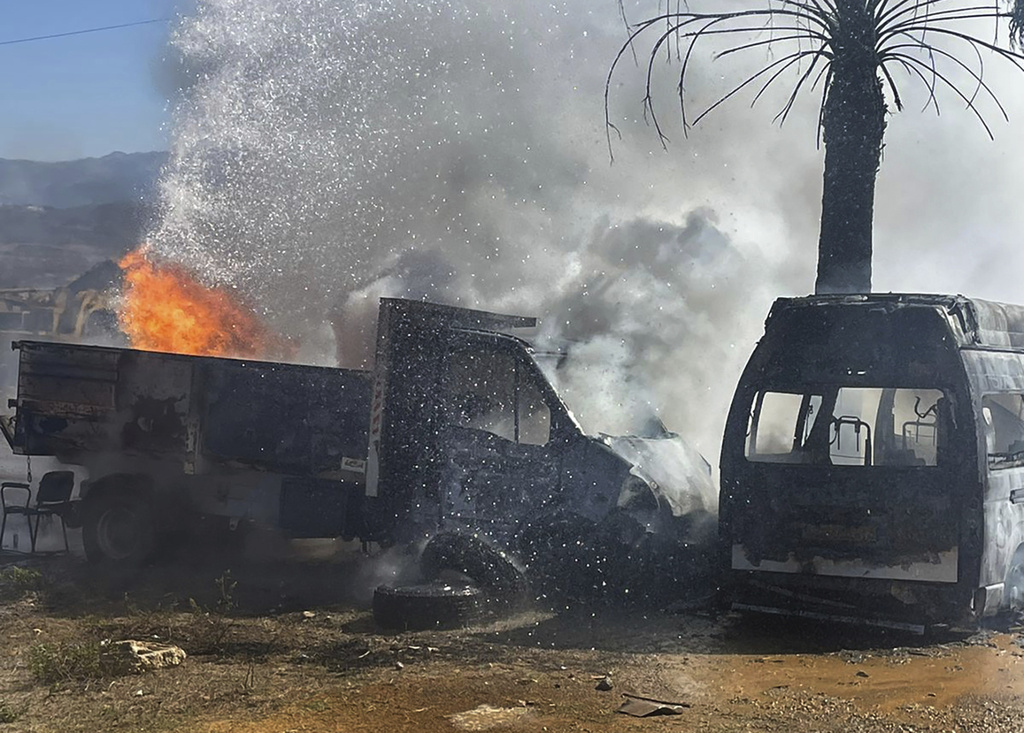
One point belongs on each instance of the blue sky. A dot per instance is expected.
(84, 95)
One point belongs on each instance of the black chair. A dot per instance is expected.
(52, 497)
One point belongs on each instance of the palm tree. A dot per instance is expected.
(853, 49)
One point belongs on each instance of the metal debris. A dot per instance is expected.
(645, 707)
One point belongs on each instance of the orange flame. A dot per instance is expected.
(165, 308)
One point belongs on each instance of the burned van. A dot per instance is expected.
(873, 462)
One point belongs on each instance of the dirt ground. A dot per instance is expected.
(288, 647)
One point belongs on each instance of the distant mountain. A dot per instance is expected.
(45, 247)
(117, 177)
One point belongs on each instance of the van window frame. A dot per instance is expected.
(809, 391)
(1014, 459)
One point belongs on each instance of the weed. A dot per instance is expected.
(249, 683)
(226, 592)
(317, 706)
(208, 631)
(140, 621)
(66, 662)
(131, 608)
(211, 626)
(7, 713)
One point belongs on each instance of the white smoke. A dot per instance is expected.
(332, 151)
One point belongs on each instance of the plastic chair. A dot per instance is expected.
(52, 496)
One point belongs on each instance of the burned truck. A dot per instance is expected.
(873, 462)
(454, 430)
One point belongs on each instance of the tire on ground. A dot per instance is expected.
(491, 568)
(427, 606)
(118, 529)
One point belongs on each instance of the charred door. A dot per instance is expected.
(500, 461)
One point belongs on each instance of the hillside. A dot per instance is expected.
(89, 181)
(59, 219)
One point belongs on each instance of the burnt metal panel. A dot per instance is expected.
(312, 507)
(994, 371)
(153, 396)
(999, 325)
(972, 321)
(66, 398)
(450, 316)
(997, 372)
(840, 514)
(285, 418)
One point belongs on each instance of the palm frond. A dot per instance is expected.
(912, 36)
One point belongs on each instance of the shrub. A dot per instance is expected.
(15, 582)
(66, 662)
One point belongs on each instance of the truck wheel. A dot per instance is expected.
(469, 555)
(118, 530)
(426, 606)
(563, 560)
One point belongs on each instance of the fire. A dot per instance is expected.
(165, 308)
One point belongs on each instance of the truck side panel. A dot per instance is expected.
(86, 401)
(291, 420)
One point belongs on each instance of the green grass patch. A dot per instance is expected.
(16, 582)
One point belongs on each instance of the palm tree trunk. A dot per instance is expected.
(853, 123)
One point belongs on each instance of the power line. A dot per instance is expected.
(85, 30)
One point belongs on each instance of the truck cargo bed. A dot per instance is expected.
(208, 413)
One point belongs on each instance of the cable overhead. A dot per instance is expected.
(83, 31)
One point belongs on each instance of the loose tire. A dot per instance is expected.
(492, 569)
(118, 530)
(427, 606)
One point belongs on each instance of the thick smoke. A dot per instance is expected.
(328, 152)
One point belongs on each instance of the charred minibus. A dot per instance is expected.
(873, 462)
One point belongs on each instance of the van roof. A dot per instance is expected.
(975, 322)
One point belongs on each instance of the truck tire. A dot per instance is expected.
(427, 606)
(489, 567)
(118, 530)
(563, 560)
